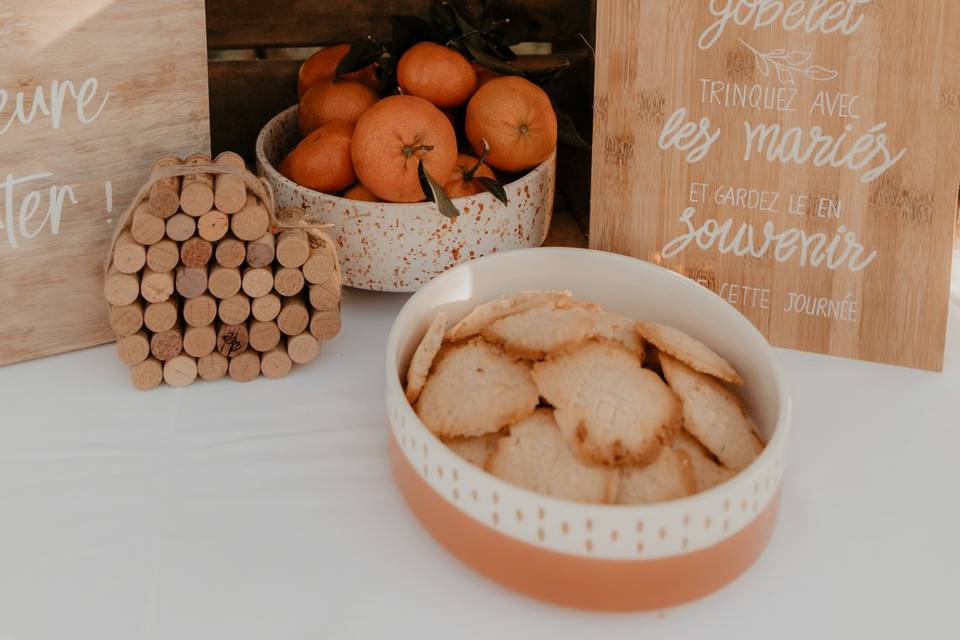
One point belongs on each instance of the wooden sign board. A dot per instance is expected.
(798, 157)
(91, 93)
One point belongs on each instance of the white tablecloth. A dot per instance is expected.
(267, 510)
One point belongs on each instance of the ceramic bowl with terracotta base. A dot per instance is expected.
(603, 557)
(400, 247)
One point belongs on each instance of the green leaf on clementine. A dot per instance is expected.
(435, 193)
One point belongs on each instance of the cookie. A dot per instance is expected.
(423, 357)
(713, 415)
(537, 332)
(615, 327)
(536, 456)
(475, 389)
(608, 406)
(669, 477)
(688, 350)
(709, 473)
(489, 312)
(476, 450)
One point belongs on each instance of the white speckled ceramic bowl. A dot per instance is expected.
(605, 557)
(401, 247)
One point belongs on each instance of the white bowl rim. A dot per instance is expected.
(771, 449)
(276, 175)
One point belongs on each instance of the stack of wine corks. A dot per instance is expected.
(202, 282)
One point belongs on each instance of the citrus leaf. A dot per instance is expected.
(435, 193)
(492, 62)
(362, 54)
(443, 17)
(567, 131)
(494, 187)
(411, 30)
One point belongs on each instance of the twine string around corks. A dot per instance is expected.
(287, 218)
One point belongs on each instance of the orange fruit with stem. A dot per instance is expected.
(322, 160)
(330, 102)
(391, 139)
(464, 181)
(436, 73)
(360, 192)
(322, 66)
(516, 118)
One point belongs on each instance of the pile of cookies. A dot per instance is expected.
(567, 399)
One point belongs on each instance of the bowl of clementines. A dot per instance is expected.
(445, 163)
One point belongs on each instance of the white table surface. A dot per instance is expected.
(267, 511)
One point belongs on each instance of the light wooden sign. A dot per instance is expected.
(91, 93)
(798, 157)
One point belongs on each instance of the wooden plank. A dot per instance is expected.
(839, 245)
(132, 76)
(244, 95)
(564, 230)
(240, 24)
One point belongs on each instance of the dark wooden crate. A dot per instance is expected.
(245, 93)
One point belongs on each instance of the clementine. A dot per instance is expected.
(360, 192)
(484, 74)
(457, 187)
(436, 73)
(391, 139)
(322, 160)
(330, 102)
(322, 66)
(516, 118)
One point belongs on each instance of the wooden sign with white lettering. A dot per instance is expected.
(798, 157)
(91, 93)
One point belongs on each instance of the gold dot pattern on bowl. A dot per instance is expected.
(517, 513)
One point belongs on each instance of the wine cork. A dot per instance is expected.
(303, 348)
(191, 282)
(213, 225)
(322, 262)
(232, 339)
(180, 227)
(264, 336)
(133, 349)
(326, 296)
(199, 341)
(196, 192)
(200, 311)
(146, 375)
(163, 256)
(266, 308)
(293, 248)
(165, 194)
(252, 221)
(230, 192)
(180, 371)
(224, 283)
(257, 282)
(294, 317)
(212, 366)
(261, 252)
(145, 227)
(245, 367)
(127, 319)
(161, 316)
(196, 252)
(324, 324)
(121, 288)
(276, 363)
(129, 256)
(235, 309)
(156, 286)
(166, 344)
(230, 253)
(287, 281)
